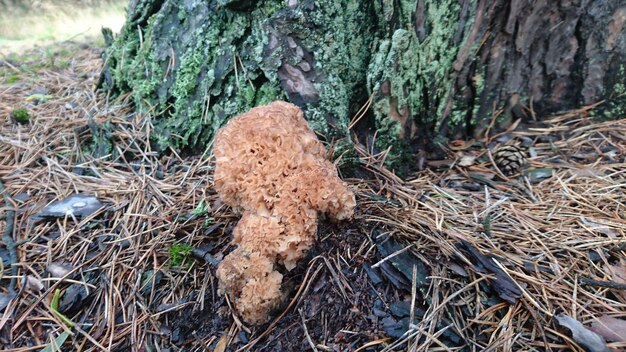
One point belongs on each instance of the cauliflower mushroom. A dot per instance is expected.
(271, 167)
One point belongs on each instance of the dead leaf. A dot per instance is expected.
(539, 174)
(33, 283)
(459, 144)
(457, 269)
(439, 163)
(599, 227)
(400, 264)
(587, 172)
(58, 270)
(5, 299)
(467, 160)
(584, 337)
(220, 346)
(618, 271)
(504, 286)
(612, 329)
(79, 205)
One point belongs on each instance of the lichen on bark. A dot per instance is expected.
(410, 72)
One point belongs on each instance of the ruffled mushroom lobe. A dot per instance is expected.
(271, 167)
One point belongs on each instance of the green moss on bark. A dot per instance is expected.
(411, 76)
(437, 69)
(193, 65)
(615, 106)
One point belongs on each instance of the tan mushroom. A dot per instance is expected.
(271, 167)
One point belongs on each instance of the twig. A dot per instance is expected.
(598, 283)
(306, 331)
(398, 252)
(7, 236)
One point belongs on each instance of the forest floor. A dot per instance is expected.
(456, 257)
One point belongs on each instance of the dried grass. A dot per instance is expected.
(145, 198)
(544, 233)
(554, 227)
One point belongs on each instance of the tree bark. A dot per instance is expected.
(193, 64)
(447, 66)
(435, 69)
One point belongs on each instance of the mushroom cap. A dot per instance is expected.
(257, 149)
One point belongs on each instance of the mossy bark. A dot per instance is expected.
(435, 69)
(194, 64)
(447, 65)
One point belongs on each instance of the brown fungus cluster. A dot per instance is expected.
(271, 168)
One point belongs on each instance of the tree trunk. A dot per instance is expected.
(434, 68)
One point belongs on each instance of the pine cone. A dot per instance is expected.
(509, 159)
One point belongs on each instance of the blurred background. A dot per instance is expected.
(29, 23)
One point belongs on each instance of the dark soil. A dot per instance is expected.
(342, 310)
